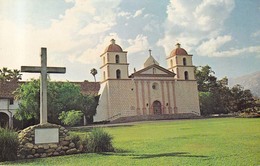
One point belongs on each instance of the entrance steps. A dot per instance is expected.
(155, 117)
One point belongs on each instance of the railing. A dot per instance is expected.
(113, 116)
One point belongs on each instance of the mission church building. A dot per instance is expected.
(150, 92)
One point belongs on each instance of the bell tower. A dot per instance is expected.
(180, 62)
(114, 63)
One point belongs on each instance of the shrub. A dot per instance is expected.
(8, 144)
(70, 118)
(84, 142)
(99, 141)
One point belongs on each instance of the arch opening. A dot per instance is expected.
(118, 74)
(157, 107)
(117, 58)
(4, 120)
(186, 75)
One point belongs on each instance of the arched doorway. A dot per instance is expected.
(4, 120)
(157, 107)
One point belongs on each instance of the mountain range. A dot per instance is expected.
(249, 81)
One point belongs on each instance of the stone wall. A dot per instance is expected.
(28, 148)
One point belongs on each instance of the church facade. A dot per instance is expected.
(152, 90)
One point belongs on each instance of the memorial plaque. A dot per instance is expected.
(46, 135)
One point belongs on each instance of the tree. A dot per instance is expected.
(243, 100)
(206, 102)
(28, 95)
(88, 106)
(8, 75)
(94, 72)
(205, 78)
(61, 97)
(70, 118)
(216, 97)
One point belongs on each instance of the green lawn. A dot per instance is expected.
(225, 142)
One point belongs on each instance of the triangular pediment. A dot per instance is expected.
(153, 71)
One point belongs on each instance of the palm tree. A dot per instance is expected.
(94, 72)
(5, 74)
(9, 75)
(16, 75)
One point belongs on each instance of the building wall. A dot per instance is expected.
(178, 60)
(113, 68)
(121, 98)
(190, 71)
(117, 100)
(187, 98)
(9, 109)
(136, 97)
(102, 113)
(188, 60)
(154, 89)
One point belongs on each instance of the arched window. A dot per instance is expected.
(171, 63)
(184, 62)
(118, 74)
(117, 58)
(186, 75)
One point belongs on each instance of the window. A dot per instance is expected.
(186, 75)
(171, 63)
(11, 101)
(155, 86)
(117, 58)
(184, 62)
(118, 74)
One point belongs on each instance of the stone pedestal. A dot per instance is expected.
(44, 140)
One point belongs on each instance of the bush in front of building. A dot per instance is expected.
(70, 118)
(8, 144)
(99, 141)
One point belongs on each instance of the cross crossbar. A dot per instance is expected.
(36, 69)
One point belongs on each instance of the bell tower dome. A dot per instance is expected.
(180, 62)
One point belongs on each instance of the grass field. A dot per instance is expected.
(224, 142)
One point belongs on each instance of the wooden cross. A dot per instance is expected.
(43, 69)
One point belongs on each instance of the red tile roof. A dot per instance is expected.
(7, 88)
(87, 88)
(178, 51)
(113, 47)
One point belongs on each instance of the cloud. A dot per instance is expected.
(193, 22)
(256, 34)
(138, 12)
(124, 14)
(140, 43)
(129, 15)
(91, 55)
(72, 35)
(209, 47)
(212, 48)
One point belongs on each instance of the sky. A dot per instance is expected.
(224, 34)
